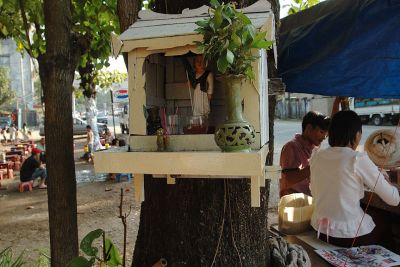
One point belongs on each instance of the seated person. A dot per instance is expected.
(109, 138)
(42, 146)
(297, 152)
(338, 176)
(33, 168)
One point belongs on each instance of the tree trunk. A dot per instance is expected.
(202, 222)
(127, 11)
(56, 70)
(272, 73)
(198, 222)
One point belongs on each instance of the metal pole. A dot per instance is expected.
(112, 112)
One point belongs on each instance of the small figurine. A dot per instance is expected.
(160, 140)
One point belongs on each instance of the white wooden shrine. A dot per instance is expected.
(157, 78)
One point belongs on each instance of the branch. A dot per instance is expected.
(123, 219)
(81, 43)
(22, 8)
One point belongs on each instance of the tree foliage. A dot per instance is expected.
(93, 19)
(229, 37)
(6, 94)
(301, 5)
(104, 79)
(24, 22)
(96, 19)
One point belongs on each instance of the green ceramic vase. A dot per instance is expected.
(236, 134)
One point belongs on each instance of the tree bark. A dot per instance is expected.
(197, 220)
(273, 73)
(127, 11)
(56, 70)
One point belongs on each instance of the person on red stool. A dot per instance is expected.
(33, 168)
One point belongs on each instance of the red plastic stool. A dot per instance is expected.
(23, 185)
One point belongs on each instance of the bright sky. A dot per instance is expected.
(117, 64)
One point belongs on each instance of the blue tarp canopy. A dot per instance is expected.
(342, 48)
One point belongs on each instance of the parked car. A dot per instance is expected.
(102, 119)
(124, 120)
(79, 127)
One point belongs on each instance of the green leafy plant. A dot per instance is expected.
(6, 258)
(110, 253)
(228, 38)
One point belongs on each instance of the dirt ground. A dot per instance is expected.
(24, 216)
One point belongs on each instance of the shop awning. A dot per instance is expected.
(342, 48)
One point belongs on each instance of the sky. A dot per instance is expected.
(117, 64)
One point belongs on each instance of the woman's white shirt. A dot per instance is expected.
(338, 177)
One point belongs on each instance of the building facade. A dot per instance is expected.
(21, 68)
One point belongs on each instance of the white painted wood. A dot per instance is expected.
(138, 182)
(262, 180)
(259, 6)
(160, 27)
(151, 15)
(255, 191)
(263, 87)
(137, 95)
(162, 44)
(187, 163)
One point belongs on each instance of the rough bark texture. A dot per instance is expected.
(183, 223)
(56, 70)
(127, 11)
(202, 222)
(272, 73)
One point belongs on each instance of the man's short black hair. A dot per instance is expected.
(88, 127)
(344, 127)
(315, 119)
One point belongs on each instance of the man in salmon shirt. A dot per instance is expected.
(296, 153)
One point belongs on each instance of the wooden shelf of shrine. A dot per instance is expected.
(186, 164)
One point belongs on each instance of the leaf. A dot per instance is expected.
(86, 243)
(262, 44)
(215, 3)
(252, 30)
(226, 16)
(236, 39)
(113, 254)
(202, 23)
(80, 262)
(249, 73)
(229, 56)
(222, 64)
(218, 17)
(243, 18)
